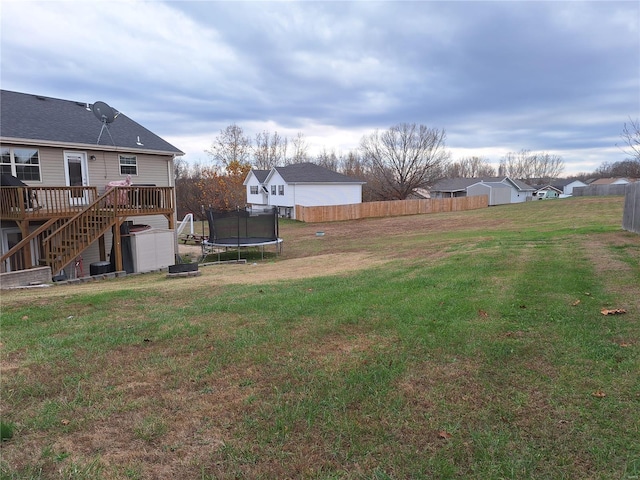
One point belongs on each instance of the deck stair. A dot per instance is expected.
(60, 229)
(64, 244)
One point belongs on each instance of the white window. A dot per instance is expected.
(273, 189)
(253, 189)
(22, 163)
(280, 189)
(128, 165)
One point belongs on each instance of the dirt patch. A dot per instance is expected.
(214, 276)
(322, 265)
(619, 277)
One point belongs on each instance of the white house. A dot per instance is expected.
(305, 184)
(547, 192)
(567, 185)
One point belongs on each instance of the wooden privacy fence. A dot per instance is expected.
(355, 211)
(631, 214)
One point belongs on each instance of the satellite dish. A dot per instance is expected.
(106, 115)
(104, 112)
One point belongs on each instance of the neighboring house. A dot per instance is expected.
(546, 191)
(419, 194)
(566, 185)
(500, 190)
(499, 193)
(65, 156)
(611, 181)
(305, 184)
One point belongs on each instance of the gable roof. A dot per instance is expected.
(311, 173)
(461, 184)
(38, 120)
(609, 181)
(563, 182)
(491, 184)
(454, 184)
(547, 186)
(519, 184)
(261, 175)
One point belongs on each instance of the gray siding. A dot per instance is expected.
(152, 169)
(106, 168)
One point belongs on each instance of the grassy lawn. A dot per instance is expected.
(464, 345)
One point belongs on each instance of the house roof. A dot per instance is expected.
(261, 175)
(563, 182)
(520, 185)
(39, 120)
(609, 181)
(453, 184)
(547, 187)
(311, 173)
(461, 184)
(492, 184)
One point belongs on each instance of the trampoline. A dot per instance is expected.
(239, 228)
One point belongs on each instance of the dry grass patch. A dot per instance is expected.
(211, 278)
(616, 260)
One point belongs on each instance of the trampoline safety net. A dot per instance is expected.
(240, 227)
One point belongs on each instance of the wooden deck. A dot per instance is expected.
(57, 223)
(43, 203)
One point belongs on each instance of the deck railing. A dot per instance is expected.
(59, 243)
(34, 203)
(20, 203)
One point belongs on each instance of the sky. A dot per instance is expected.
(497, 76)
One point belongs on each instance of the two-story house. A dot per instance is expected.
(305, 184)
(75, 177)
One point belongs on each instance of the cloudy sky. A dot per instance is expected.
(498, 76)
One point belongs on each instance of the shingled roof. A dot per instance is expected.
(261, 175)
(461, 184)
(312, 173)
(39, 120)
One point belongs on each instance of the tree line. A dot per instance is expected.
(394, 163)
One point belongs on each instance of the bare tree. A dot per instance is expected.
(188, 193)
(516, 165)
(354, 166)
(231, 145)
(269, 150)
(328, 159)
(470, 167)
(548, 166)
(405, 157)
(631, 136)
(300, 150)
(527, 165)
(625, 168)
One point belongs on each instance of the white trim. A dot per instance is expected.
(84, 167)
(85, 146)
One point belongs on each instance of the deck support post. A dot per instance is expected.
(117, 245)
